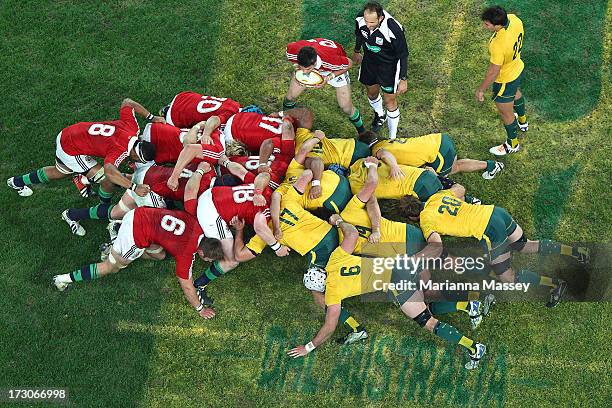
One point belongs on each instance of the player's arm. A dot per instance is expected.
(302, 182)
(371, 180)
(433, 249)
(458, 190)
(492, 73)
(193, 187)
(307, 147)
(388, 158)
(112, 173)
(186, 156)
(211, 125)
(348, 230)
(336, 74)
(260, 225)
(265, 151)
(373, 210)
(260, 183)
(191, 137)
(142, 111)
(331, 321)
(190, 293)
(275, 203)
(241, 252)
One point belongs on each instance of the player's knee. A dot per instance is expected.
(519, 244)
(502, 267)
(156, 253)
(508, 276)
(423, 318)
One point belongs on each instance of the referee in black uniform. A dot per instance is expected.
(384, 62)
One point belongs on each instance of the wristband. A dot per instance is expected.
(338, 222)
(199, 308)
(376, 228)
(150, 117)
(225, 163)
(275, 246)
(315, 183)
(262, 164)
(309, 347)
(369, 164)
(200, 172)
(133, 187)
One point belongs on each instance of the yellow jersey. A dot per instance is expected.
(302, 231)
(446, 214)
(390, 231)
(339, 151)
(329, 184)
(350, 275)
(412, 151)
(505, 48)
(387, 188)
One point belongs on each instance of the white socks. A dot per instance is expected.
(377, 105)
(393, 118)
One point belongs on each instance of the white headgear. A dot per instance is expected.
(314, 279)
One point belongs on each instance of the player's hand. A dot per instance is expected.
(371, 159)
(402, 87)
(237, 223)
(172, 183)
(319, 134)
(205, 167)
(264, 169)
(142, 189)
(207, 313)
(374, 237)
(357, 58)
(283, 251)
(430, 169)
(479, 95)
(158, 119)
(315, 192)
(206, 139)
(335, 219)
(396, 173)
(259, 200)
(278, 234)
(299, 351)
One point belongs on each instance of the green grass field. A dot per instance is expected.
(131, 339)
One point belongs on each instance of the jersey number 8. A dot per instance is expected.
(100, 129)
(243, 193)
(173, 225)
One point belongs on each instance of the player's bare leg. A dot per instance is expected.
(343, 95)
(490, 167)
(393, 114)
(511, 145)
(416, 309)
(356, 331)
(376, 102)
(294, 91)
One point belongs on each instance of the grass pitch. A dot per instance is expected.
(131, 340)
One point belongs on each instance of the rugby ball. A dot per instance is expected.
(310, 79)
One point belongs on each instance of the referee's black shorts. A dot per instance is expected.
(373, 72)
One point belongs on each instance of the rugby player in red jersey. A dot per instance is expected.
(189, 108)
(76, 147)
(329, 59)
(151, 233)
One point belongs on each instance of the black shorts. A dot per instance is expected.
(372, 72)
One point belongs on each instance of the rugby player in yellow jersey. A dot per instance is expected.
(398, 238)
(446, 214)
(306, 235)
(505, 74)
(436, 151)
(348, 276)
(415, 181)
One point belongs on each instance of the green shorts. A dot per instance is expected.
(319, 255)
(446, 156)
(504, 92)
(499, 228)
(340, 197)
(406, 277)
(414, 240)
(361, 151)
(427, 185)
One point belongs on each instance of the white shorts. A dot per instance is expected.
(68, 164)
(211, 222)
(169, 112)
(226, 132)
(150, 200)
(146, 133)
(124, 243)
(339, 81)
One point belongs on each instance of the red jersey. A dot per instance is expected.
(157, 177)
(331, 54)
(111, 140)
(189, 108)
(252, 129)
(178, 232)
(238, 201)
(168, 141)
